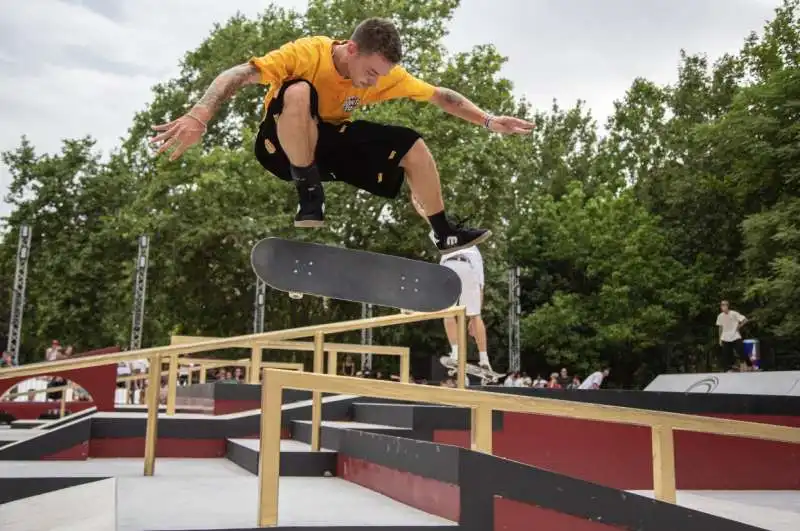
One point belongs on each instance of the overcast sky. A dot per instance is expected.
(76, 67)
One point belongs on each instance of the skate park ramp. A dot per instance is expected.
(779, 383)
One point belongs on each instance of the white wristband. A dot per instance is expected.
(487, 122)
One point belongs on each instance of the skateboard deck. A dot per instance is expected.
(352, 275)
(470, 368)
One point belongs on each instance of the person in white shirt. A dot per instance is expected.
(52, 353)
(468, 264)
(595, 380)
(512, 380)
(729, 322)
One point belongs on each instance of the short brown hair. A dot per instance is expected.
(378, 35)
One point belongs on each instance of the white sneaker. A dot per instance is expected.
(449, 361)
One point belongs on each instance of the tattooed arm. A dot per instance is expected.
(223, 88)
(454, 103)
(187, 130)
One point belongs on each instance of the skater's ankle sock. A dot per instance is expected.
(484, 357)
(440, 224)
(306, 175)
(454, 351)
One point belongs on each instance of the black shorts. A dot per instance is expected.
(361, 153)
(733, 352)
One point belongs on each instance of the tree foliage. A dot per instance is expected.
(627, 239)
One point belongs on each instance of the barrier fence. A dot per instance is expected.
(274, 339)
(481, 403)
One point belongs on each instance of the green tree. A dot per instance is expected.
(612, 292)
(205, 211)
(756, 147)
(67, 199)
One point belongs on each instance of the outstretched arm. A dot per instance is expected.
(187, 130)
(454, 103)
(223, 88)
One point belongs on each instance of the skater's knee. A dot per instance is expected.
(417, 155)
(297, 97)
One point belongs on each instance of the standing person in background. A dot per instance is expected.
(468, 265)
(7, 361)
(595, 380)
(729, 322)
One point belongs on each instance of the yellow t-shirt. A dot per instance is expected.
(310, 58)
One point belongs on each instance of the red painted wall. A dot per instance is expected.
(99, 382)
(224, 407)
(442, 499)
(79, 452)
(619, 456)
(429, 495)
(32, 410)
(134, 447)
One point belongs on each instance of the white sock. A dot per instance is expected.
(484, 358)
(454, 351)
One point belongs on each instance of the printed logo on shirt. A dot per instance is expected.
(351, 103)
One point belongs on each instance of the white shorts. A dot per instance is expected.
(470, 286)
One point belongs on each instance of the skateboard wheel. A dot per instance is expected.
(295, 295)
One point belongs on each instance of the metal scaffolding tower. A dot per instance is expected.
(139, 288)
(514, 312)
(366, 336)
(260, 303)
(18, 293)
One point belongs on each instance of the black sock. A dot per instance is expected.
(440, 224)
(307, 176)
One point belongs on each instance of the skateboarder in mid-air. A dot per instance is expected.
(306, 135)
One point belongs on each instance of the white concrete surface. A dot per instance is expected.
(10, 435)
(204, 502)
(214, 493)
(208, 493)
(776, 510)
(90, 507)
(122, 467)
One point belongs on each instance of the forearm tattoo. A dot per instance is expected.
(225, 86)
(453, 98)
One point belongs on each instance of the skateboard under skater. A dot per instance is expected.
(486, 376)
(352, 275)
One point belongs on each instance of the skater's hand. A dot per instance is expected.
(510, 125)
(181, 134)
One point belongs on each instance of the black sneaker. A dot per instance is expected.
(461, 238)
(311, 207)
